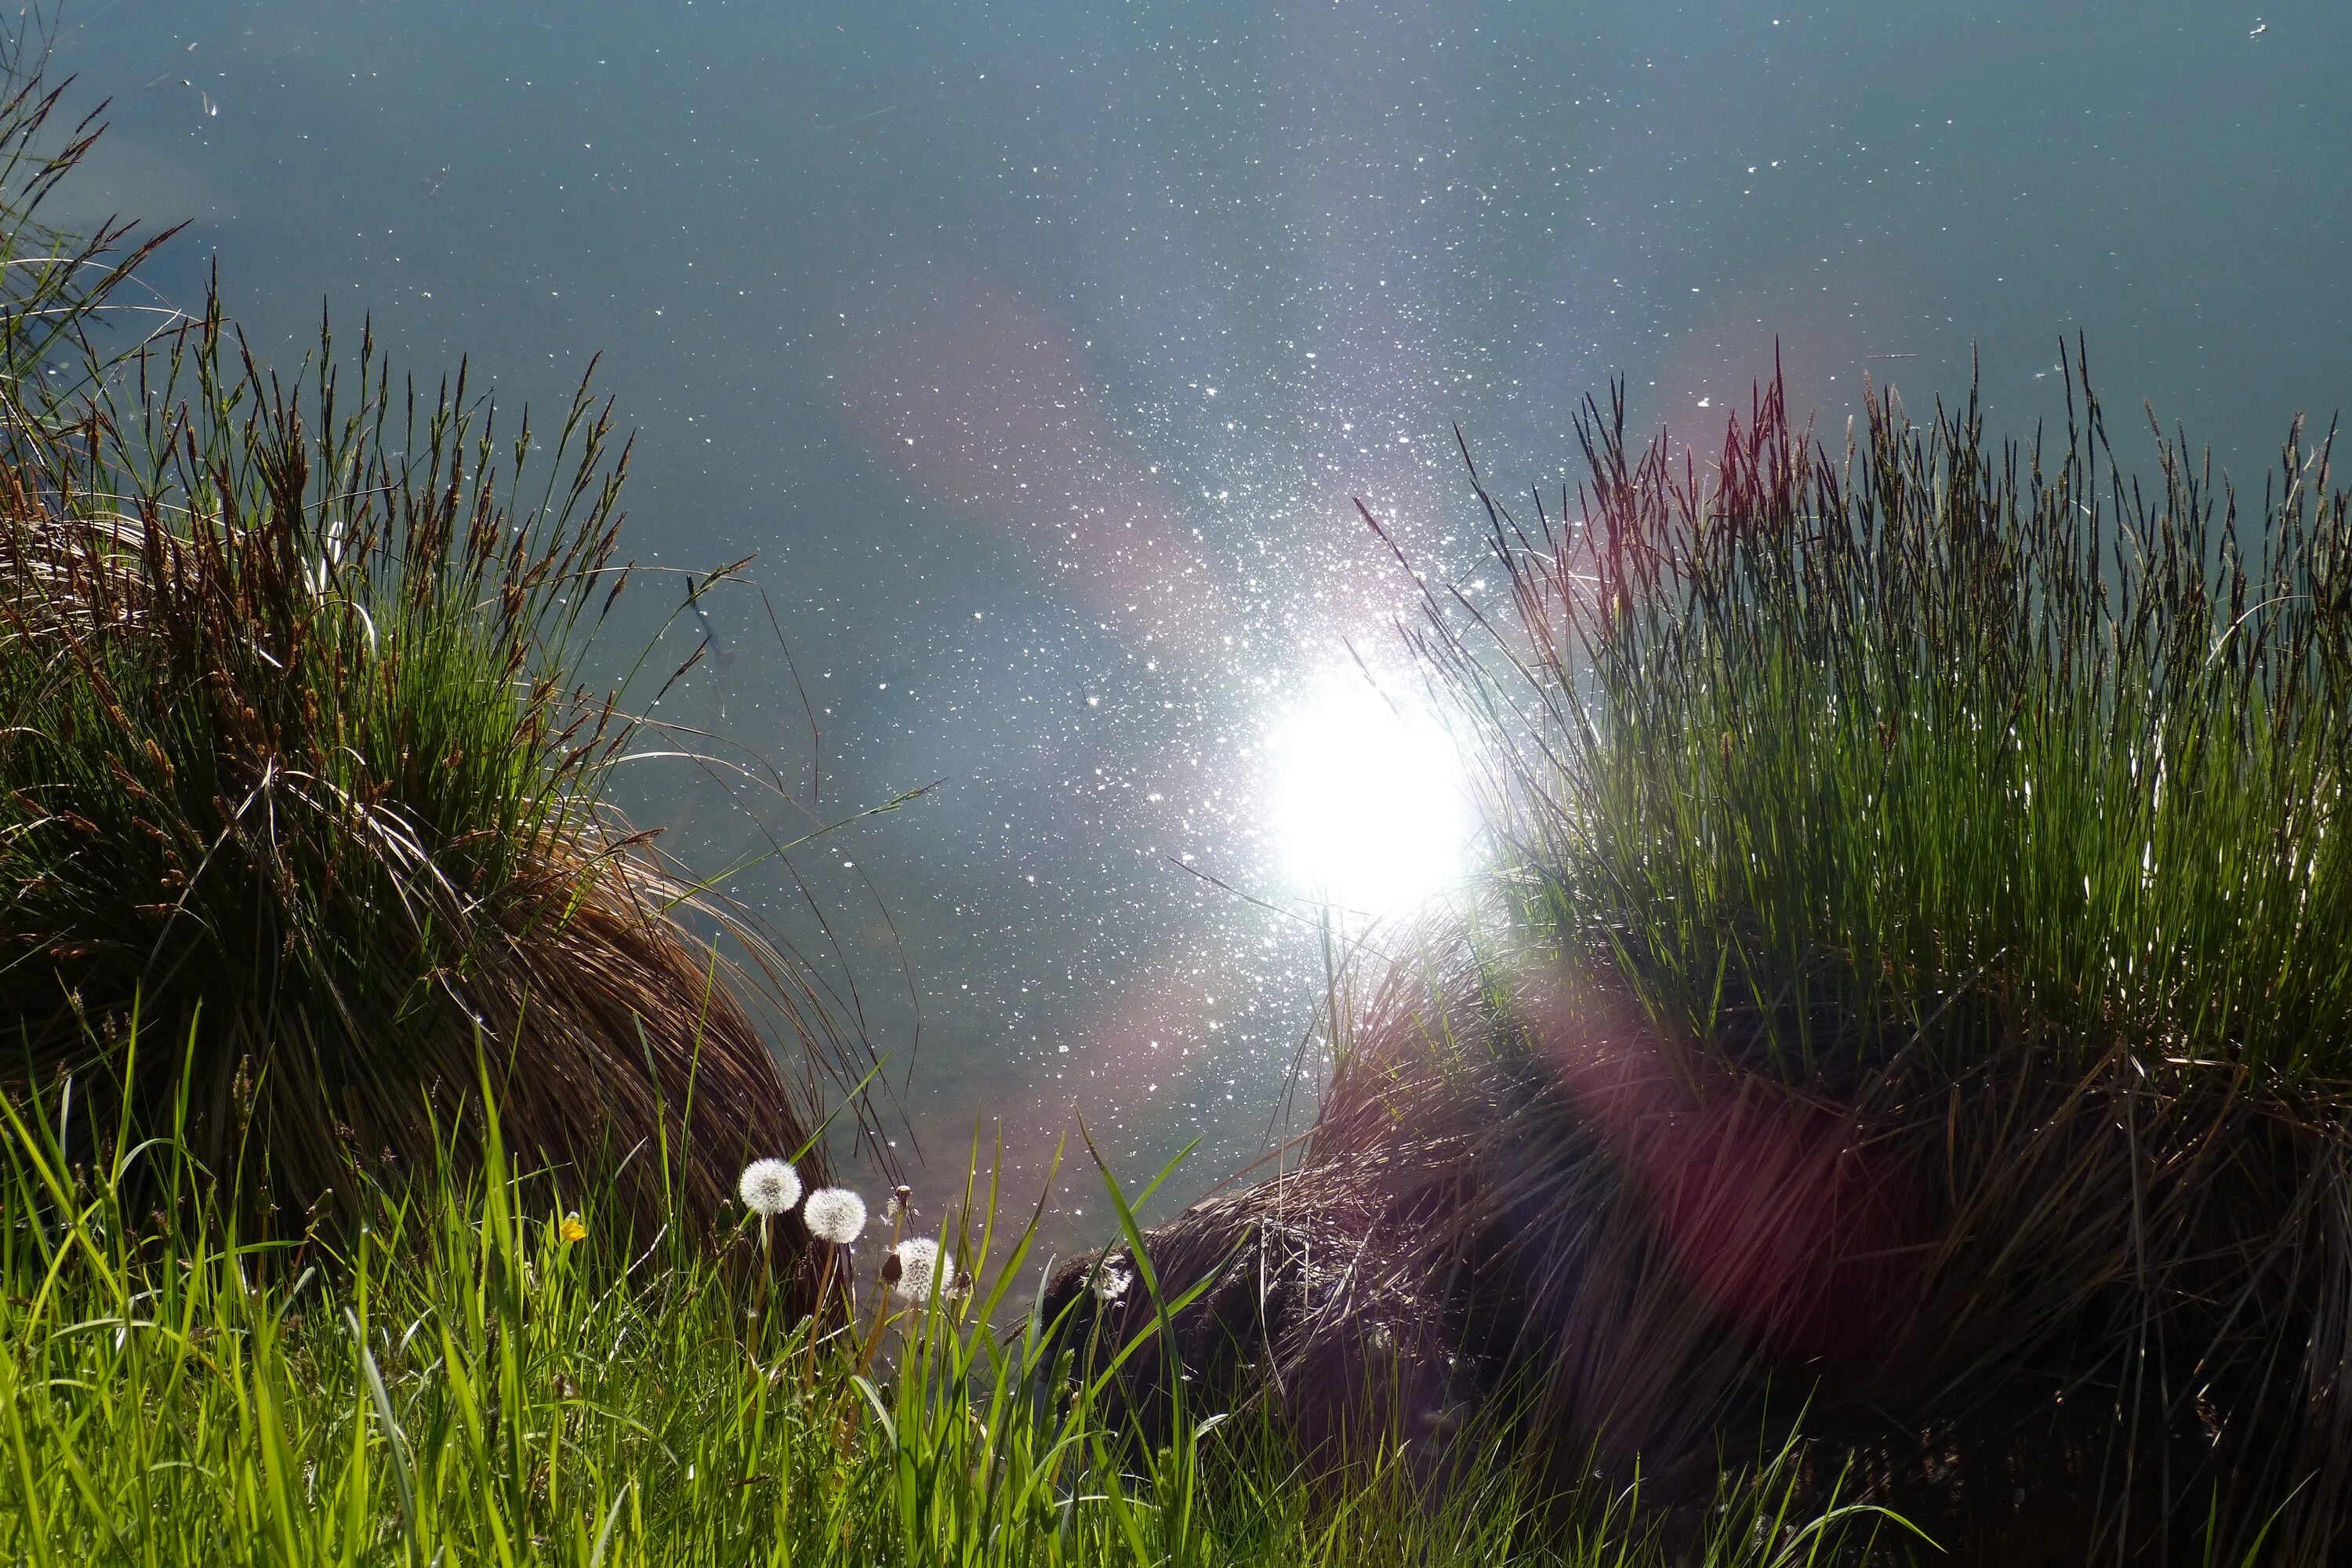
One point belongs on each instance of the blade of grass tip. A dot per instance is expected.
(1165, 1171)
(36, 1530)
(1114, 1497)
(279, 1464)
(2254, 1550)
(180, 1105)
(460, 1378)
(881, 1413)
(122, 1140)
(1165, 1318)
(809, 1142)
(100, 1509)
(382, 1398)
(956, 1242)
(694, 1060)
(661, 1111)
(1128, 1224)
(1009, 1269)
(611, 1518)
(1164, 1308)
(78, 1223)
(497, 1219)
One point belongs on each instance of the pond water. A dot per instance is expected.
(1037, 350)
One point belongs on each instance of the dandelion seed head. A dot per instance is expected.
(919, 1265)
(769, 1187)
(835, 1214)
(1111, 1280)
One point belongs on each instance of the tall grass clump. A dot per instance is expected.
(1958, 824)
(481, 1373)
(1912, 1009)
(1834, 742)
(301, 767)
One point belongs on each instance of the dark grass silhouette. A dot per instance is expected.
(1913, 1005)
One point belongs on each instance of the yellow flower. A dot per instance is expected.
(573, 1228)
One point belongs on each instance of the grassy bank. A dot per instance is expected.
(1910, 1010)
(482, 1375)
(1902, 1066)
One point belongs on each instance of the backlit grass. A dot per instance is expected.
(300, 735)
(482, 1375)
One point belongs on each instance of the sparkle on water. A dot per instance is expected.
(1368, 807)
(956, 399)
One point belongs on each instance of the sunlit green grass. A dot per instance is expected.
(480, 1378)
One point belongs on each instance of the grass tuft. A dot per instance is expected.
(1911, 1019)
(298, 768)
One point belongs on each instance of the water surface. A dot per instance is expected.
(1037, 350)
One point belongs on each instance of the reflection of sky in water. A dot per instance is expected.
(1038, 349)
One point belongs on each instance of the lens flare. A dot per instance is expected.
(1368, 808)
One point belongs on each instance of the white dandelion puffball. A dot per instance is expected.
(919, 1265)
(769, 1187)
(835, 1214)
(1111, 1281)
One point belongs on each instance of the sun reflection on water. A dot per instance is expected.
(1368, 807)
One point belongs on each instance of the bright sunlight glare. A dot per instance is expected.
(1368, 812)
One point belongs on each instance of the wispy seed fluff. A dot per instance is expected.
(1111, 1281)
(919, 1265)
(769, 1187)
(835, 1214)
